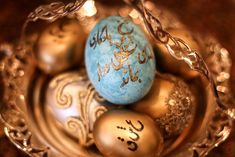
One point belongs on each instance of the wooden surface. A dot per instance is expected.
(214, 17)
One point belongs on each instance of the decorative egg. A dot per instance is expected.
(60, 46)
(125, 133)
(75, 104)
(170, 103)
(119, 60)
(168, 63)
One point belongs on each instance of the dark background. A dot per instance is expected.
(214, 17)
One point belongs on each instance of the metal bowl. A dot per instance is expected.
(30, 125)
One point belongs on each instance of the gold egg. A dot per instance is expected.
(125, 133)
(168, 63)
(60, 46)
(170, 103)
(75, 104)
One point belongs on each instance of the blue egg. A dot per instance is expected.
(119, 60)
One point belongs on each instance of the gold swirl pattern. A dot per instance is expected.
(64, 100)
(82, 97)
(98, 111)
(81, 125)
(77, 126)
(98, 97)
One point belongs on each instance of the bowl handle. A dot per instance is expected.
(179, 50)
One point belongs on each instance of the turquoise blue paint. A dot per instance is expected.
(121, 72)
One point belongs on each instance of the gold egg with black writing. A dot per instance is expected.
(60, 46)
(167, 63)
(125, 133)
(170, 103)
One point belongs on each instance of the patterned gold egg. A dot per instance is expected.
(75, 104)
(125, 133)
(168, 63)
(60, 46)
(170, 102)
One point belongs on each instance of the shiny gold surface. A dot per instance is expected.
(75, 104)
(60, 46)
(170, 103)
(45, 124)
(172, 65)
(210, 127)
(125, 133)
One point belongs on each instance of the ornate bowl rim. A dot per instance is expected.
(17, 129)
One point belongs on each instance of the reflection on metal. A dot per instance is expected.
(17, 131)
(13, 70)
(89, 8)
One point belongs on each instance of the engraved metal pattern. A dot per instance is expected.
(220, 126)
(178, 49)
(180, 104)
(217, 132)
(219, 129)
(53, 11)
(16, 129)
(12, 71)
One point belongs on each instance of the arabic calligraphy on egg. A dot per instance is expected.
(125, 133)
(119, 60)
